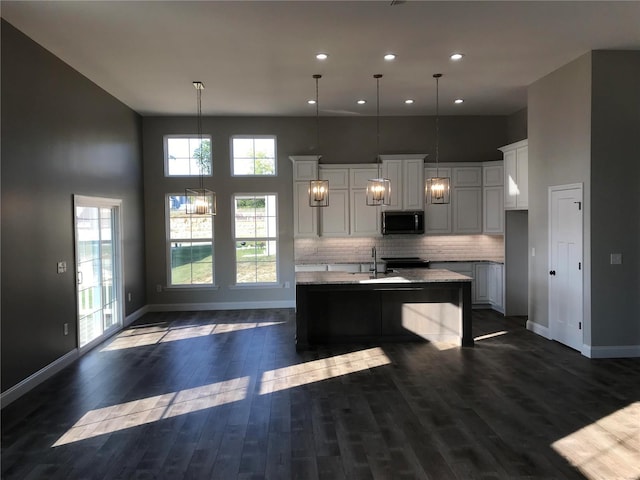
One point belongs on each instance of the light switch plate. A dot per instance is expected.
(616, 259)
(62, 267)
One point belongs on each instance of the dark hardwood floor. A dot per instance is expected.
(224, 395)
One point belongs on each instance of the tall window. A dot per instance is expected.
(189, 244)
(255, 220)
(253, 155)
(184, 156)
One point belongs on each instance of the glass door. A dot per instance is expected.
(98, 268)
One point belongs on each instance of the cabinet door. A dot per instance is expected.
(493, 209)
(496, 287)
(412, 184)
(335, 217)
(467, 210)
(510, 180)
(392, 169)
(305, 170)
(365, 219)
(337, 177)
(305, 218)
(467, 177)
(360, 176)
(437, 217)
(522, 171)
(482, 282)
(492, 175)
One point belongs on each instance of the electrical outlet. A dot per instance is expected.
(616, 259)
(287, 284)
(158, 288)
(65, 329)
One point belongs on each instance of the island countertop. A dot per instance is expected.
(404, 275)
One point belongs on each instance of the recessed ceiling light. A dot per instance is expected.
(361, 102)
(390, 56)
(456, 56)
(311, 102)
(408, 101)
(458, 100)
(322, 56)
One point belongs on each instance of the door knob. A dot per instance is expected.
(552, 272)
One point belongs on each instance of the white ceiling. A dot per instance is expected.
(258, 58)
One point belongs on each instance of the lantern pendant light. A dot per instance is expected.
(438, 188)
(200, 201)
(318, 189)
(378, 189)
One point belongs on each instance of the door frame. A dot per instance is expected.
(101, 202)
(552, 189)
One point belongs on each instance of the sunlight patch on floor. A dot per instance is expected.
(608, 448)
(323, 369)
(145, 336)
(152, 409)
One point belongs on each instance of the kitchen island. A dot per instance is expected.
(404, 305)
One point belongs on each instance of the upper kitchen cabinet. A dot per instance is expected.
(437, 216)
(516, 175)
(466, 199)
(305, 217)
(406, 173)
(347, 213)
(492, 198)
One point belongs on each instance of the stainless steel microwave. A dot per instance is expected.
(396, 222)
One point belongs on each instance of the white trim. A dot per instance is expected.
(614, 351)
(37, 378)
(254, 137)
(539, 329)
(135, 315)
(193, 307)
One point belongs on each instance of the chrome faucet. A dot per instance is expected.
(374, 254)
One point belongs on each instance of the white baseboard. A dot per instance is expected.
(197, 307)
(135, 315)
(37, 378)
(615, 351)
(539, 329)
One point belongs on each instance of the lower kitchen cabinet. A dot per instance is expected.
(496, 287)
(487, 285)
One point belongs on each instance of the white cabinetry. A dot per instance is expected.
(347, 213)
(437, 217)
(406, 173)
(305, 217)
(487, 284)
(480, 293)
(466, 199)
(492, 197)
(496, 287)
(516, 175)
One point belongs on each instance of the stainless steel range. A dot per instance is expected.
(405, 262)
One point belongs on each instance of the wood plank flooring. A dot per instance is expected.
(224, 395)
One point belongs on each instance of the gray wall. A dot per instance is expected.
(583, 122)
(517, 126)
(61, 135)
(342, 140)
(559, 126)
(615, 197)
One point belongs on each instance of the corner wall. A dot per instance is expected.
(559, 128)
(61, 135)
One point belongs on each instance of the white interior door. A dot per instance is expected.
(98, 268)
(565, 265)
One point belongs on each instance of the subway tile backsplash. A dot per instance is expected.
(434, 248)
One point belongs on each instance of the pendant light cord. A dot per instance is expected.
(378, 77)
(317, 77)
(437, 77)
(199, 113)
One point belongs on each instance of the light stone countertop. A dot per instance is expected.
(402, 275)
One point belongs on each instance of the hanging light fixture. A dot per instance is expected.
(378, 189)
(438, 187)
(318, 189)
(200, 201)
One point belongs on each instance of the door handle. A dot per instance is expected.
(79, 277)
(552, 272)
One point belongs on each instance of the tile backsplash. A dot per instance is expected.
(434, 248)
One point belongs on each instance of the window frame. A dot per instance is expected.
(189, 136)
(235, 239)
(254, 137)
(168, 240)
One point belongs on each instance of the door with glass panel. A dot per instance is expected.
(98, 268)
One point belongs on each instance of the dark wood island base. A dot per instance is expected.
(337, 307)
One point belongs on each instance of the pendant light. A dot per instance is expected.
(200, 201)
(378, 189)
(438, 187)
(318, 189)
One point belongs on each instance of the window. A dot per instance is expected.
(253, 155)
(255, 220)
(189, 244)
(184, 156)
